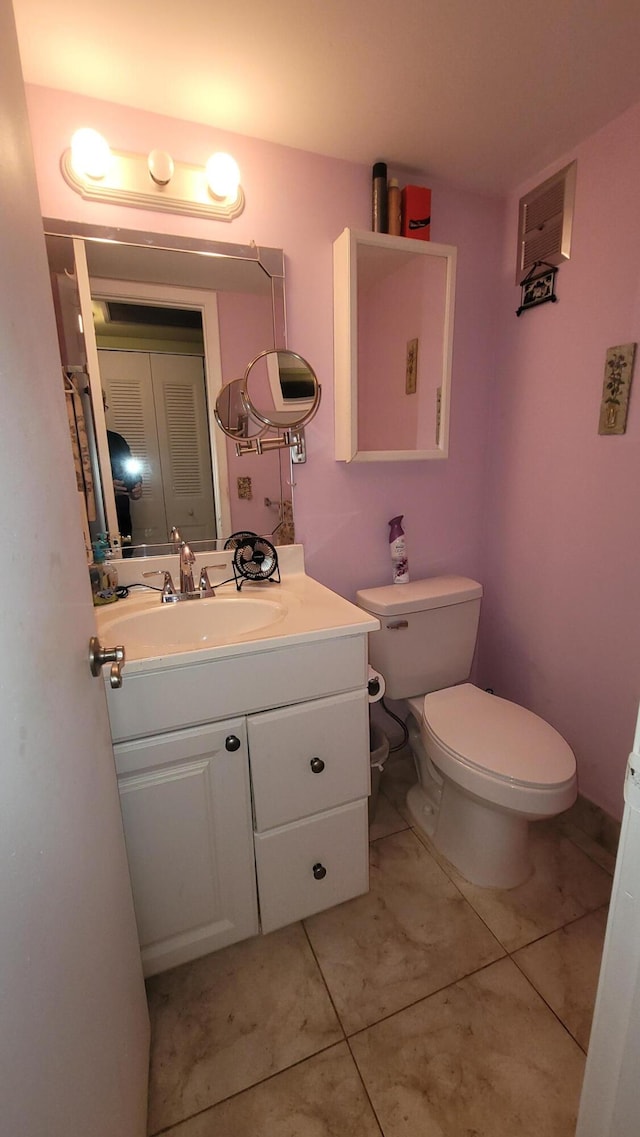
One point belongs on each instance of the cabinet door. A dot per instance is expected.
(187, 821)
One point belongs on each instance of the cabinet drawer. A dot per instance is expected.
(285, 859)
(170, 697)
(306, 759)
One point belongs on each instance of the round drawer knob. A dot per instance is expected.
(317, 765)
(319, 871)
(232, 742)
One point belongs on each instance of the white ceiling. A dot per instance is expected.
(481, 93)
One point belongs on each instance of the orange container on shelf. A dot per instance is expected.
(416, 213)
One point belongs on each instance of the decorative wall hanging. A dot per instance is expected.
(411, 382)
(538, 287)
(618, 373)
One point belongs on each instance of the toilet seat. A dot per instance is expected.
(497, 750)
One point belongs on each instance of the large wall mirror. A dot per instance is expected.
(393, 336)
(151, 327)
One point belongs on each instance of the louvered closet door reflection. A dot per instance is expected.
(126, 378)
(183, 436)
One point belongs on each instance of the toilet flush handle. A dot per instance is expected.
(397, 625)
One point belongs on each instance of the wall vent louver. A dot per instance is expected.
(545, 221)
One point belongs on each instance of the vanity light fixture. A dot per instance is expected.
(154, 181)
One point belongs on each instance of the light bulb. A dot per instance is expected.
(161, 167)
(90, 153)
(223, 176)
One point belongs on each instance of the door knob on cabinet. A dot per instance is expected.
(319, 871)
(232, 742)
(317, 765)
(99, 655)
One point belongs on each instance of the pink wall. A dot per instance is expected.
(302, 202)
(562, 536)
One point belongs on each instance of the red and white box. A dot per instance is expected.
(416, 213)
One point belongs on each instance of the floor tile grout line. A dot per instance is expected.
(554, 931)
(423, 998)
(509, 950)
(548, 1005)
(247, 1089)
(508, 954)
(459, 891)
(322, 976)
(392, 833)
(365, 1088)
(592, 858)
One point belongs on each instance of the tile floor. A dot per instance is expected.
(428, 1007)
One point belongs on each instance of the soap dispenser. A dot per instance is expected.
(102, 572)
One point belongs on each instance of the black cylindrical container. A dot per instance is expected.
(379, 198)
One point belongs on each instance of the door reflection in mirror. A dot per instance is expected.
(157, 402)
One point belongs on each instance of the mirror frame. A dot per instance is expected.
(270, 260)
(345, 325)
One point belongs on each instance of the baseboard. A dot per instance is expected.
(596, 823)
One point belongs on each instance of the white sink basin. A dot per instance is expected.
(191, 625)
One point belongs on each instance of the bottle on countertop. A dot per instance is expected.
(398, 549)
(394, 210)
(103, 573)
(379, 198)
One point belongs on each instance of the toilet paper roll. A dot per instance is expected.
(376, 685)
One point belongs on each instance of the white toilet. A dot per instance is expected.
(486, 767)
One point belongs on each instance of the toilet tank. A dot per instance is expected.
(428, 633)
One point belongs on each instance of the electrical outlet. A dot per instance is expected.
(245, 491)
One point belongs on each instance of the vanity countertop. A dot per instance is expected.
(304, 611)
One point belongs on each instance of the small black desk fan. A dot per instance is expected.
(254, 558)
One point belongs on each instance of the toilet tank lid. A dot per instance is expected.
(418, 595)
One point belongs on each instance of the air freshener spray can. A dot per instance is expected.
(398, 549)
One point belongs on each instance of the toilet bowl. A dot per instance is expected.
(486, 766)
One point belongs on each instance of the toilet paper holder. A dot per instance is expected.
(375, 686)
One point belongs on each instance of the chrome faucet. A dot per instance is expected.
(188, 590)
(175, 538)
(187, 561)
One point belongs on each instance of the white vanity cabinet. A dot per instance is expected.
(249, 820)
(187, 822)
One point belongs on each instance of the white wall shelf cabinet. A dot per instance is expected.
(394, 300)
